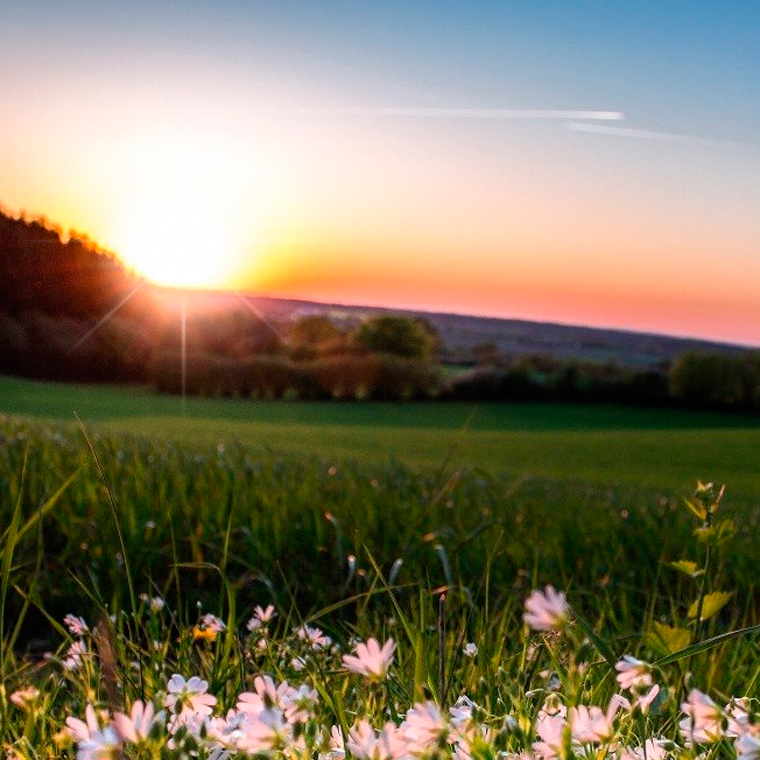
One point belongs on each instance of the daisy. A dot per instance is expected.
(546, 610)
(188, 696)
(371, 660)
(633, 673)
(136, 726)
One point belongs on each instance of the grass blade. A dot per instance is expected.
(703, 646)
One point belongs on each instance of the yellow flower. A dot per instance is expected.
(204, 634)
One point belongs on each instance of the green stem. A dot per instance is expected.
(696, 636)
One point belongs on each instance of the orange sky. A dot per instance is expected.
(430, 164)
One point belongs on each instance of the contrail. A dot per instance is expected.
(456, 113)
(650, 134)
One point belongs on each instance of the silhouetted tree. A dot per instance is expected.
(401, 336)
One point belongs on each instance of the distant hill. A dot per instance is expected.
(461, 334)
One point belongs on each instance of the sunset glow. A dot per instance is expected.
(176, 240)
(182, 208)
(580, 167)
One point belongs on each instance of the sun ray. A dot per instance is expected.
(106, 317)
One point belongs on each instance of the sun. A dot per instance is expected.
(180, 240)
(181, 212)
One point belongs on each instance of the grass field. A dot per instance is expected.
(358, 518)
(659, 448)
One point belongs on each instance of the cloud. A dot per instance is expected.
(462, 113)
(650, 134)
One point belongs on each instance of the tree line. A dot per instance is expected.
(693, 380)
(70, 311)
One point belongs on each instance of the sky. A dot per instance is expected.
(590, 163)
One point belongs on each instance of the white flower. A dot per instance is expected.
(94, 742)
(188, 696)
(367, 744)
(633, 673)
(136, 726)
(747, 747)
(264, 614)
(703, 721)
(314, 636)
(470, 649)
(24, 698)
(75, 624)
(261, 616)
(550, 727)
(228, 730)
(265, 731)
(337, 746)
(157, 604)
(370, 660)
(294, 704)
(423, 727)
(461, 713)
(212, 623)
(741, 718)
(644, 701)
(190, 722)
(653, 749)
(546, 610)
(589, 724)
(298, 664)
(74, 654)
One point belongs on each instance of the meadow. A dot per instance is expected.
(597, 445)
(167, 522)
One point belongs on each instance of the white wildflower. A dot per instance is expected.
(633, 673)
(546, 610)
(703, 723)
(188, 696)
(371, 660)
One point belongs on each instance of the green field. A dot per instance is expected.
(551, 492)
(359, 518)
(660, 448)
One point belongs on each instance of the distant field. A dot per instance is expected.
(598, 444)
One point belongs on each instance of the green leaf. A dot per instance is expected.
(601, 646)
(711, 604)
(687, 568)
(702, 646)
(697, 509)
(706, 534)
(670, 639)
(726, 530)
(716, 535)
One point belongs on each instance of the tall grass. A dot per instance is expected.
(148, 539)
(300, 529)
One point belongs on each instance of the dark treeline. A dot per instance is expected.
(542, 378)
(71, 312)
(53, 293)
(694, 380)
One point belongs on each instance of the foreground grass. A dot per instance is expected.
(308, 532)
(596, 445)
(451, 681)
(436, 558)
